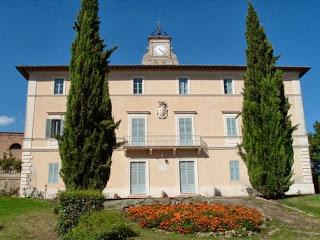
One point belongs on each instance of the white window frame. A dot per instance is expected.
(132, 85)
(177, 85)
(147, 176)
(224, 77)
(225, 116)
(145, 116)
(64, 85)
(177, 116)
(196, 175)
(54, 117)
(52, 142)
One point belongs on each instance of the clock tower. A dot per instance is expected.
(159, 50)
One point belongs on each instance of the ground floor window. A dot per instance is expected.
(138, 178)
(187, 176)
(53, 173)
(234, 170)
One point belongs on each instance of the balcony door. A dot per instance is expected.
(185, 131)
(187, 176)
(138, 131)
(138, 178)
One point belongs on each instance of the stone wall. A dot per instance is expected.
(9, 181)
(10, 142)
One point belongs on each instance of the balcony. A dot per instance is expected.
(173, 142)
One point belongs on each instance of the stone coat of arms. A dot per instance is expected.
(162, 110)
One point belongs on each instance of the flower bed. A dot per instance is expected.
(197, 217)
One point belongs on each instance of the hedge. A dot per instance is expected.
(103, 225)
(71, 205)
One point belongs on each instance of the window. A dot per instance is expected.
(58, 86)
(187, 176)
(185, 131)
(138, 132)
(54, 127)
(137, 86)
(16, 146)
(228, 86)
(53, 173)
(234, 170)
(15, 150)
(183, 86)
(231, 124)
(138, 178)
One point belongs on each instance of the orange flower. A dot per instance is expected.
(196, 217)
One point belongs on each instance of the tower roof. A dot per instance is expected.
(159, 33)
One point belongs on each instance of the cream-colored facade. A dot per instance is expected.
(181, 124)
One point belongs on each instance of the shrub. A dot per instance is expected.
(104, 225)
(12, 192)
(197, 217)
(71, 205)
(17, 165)
(9, 162)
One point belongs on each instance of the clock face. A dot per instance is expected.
(159, 50)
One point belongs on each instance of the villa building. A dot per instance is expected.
(181, 124)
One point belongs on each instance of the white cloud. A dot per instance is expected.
(5, 120)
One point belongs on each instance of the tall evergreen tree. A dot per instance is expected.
(89, 130)
(314, 140)
(267, 130)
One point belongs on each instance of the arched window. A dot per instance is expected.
(15, 146)
(15, 150)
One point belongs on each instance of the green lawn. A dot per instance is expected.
(309, 204)
(26, 219)
(34, 219)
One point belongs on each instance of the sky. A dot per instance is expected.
(40, 32)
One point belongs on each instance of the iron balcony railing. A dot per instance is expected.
(164, 141)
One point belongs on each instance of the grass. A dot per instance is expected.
(274, 230)
(34, 219)
(309, 204)
(26, 219)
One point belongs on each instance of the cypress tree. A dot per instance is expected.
(314, 148)
(89, 130)
(267, 130)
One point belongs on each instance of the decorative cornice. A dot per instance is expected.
(185, 112)
(138, 112)
(25, 70)
(231, 112)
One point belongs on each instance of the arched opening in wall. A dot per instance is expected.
(15, 150)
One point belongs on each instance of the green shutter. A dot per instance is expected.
(55, 172)
(48, 128)
(50, 176)
(61, 128)
(236, 170)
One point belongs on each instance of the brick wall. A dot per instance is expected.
(11, 140)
